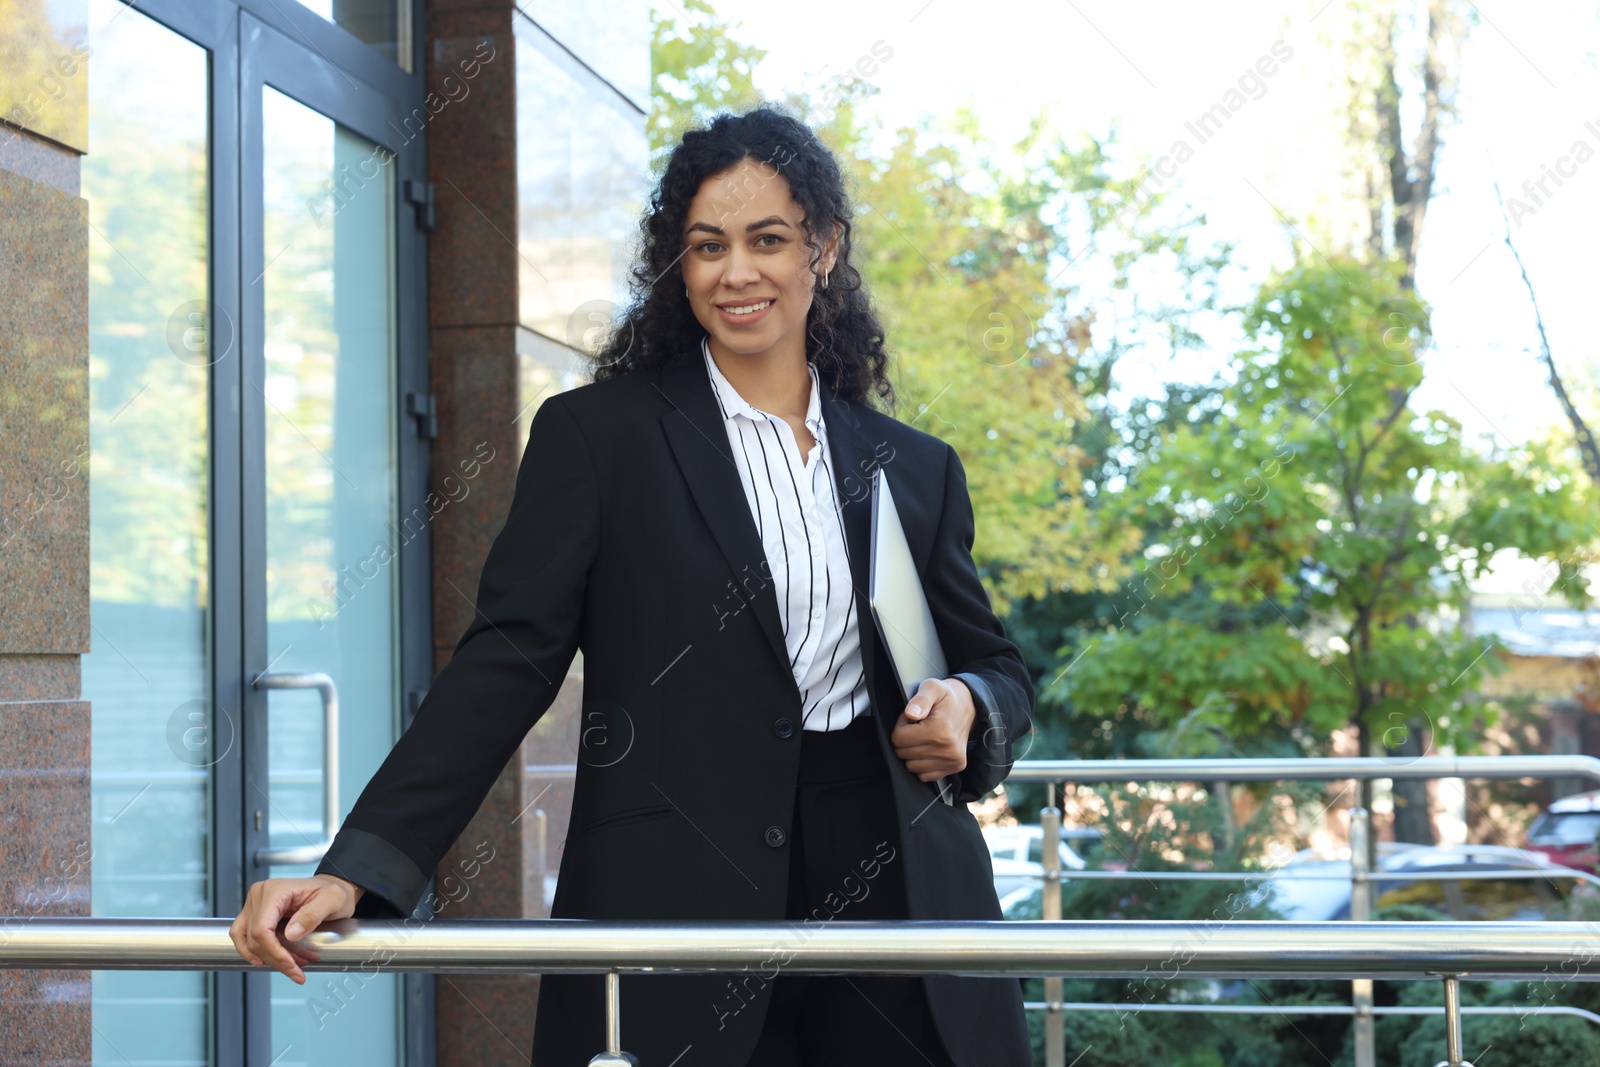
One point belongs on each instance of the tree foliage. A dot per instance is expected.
(1317, 537)
(698, 67)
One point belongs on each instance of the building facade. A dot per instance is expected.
(281, 285)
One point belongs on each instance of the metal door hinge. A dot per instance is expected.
(424, 407)
(420, 195)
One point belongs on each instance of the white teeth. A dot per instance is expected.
(748, 309)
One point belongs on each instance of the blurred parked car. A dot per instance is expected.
(1567, 832)
(1298, 896)
(1017, 855)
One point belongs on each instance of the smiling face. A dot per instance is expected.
(747, 267)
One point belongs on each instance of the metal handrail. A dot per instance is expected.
(992, 949)
(1288, 874)
(1211, 1008)
(1304, 768)
(1074, 948)
(1270, 769)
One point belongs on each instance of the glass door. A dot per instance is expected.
(321, 476)
(257, 323)
(156, 733)
(327, 392)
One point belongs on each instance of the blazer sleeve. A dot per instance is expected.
(976, 648)
(506, 671)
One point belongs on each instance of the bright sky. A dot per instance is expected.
(1530, 83)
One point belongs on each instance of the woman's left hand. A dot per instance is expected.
(931, 734)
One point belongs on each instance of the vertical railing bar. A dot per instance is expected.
(1362, 1029)
(613, 1013)
(613, 1056)
(1055, 1019)
(1452, 1023)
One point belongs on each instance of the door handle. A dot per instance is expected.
(284, 857)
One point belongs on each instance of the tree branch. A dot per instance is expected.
(1586, 442)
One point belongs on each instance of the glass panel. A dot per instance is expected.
(329, 399)
(613, 40)
(384, 24)
(582, 165)
(146, 181)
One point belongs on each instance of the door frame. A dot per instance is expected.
(270, 56)
(282, 43)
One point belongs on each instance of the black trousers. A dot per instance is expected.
(845, 863)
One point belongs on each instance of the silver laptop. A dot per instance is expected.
(900, 608)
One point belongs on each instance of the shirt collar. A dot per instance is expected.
(734, 404)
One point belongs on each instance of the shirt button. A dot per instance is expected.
(816, 614)
(776, 837)
(783, 727)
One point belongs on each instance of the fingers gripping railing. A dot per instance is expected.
(1340, 950)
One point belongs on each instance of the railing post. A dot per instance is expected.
(542, 821)
(1452, 1023)
(1055, 1021)
(1361, 911)
(613, 1056)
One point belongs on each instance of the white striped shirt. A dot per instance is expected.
(795, 506)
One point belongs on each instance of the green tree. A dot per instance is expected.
(698, 67)
(1318, 537)
(990, 263)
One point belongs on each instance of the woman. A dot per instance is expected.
(696, 520)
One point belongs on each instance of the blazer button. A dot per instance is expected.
(776, 837)
(783, 728)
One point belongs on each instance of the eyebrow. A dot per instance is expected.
(770, 220)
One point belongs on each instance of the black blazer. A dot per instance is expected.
(629, 536)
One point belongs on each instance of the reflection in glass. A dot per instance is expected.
(44, 75)
(582, 168)
(150, 348)
(544, 368)
(329, 402)
(616, 46)
(384, 24)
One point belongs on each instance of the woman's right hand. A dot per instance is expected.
(306, 903)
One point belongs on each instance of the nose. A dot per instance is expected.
(739, 268)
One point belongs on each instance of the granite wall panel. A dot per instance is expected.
(44, 418)
(45, 849)
(483, 1020)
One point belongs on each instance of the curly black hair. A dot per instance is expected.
(844, 339)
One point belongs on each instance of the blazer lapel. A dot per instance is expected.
(853, 463)
(700, 444)
(852, 476)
